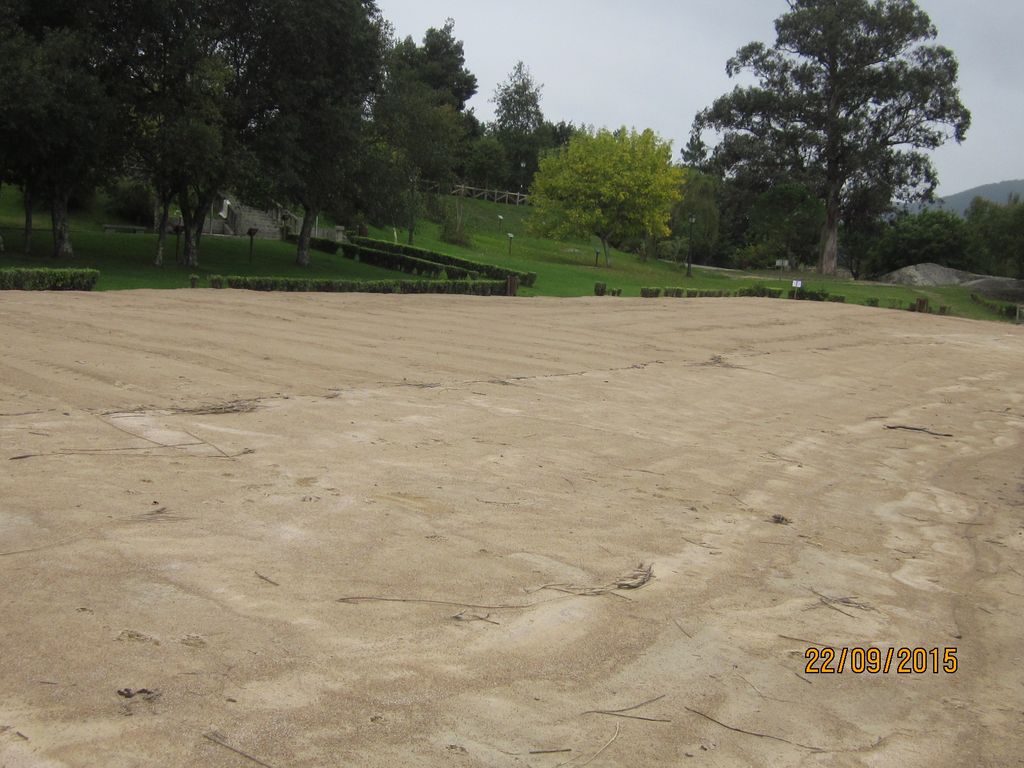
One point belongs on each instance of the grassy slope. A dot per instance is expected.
(564, 268)
(125, 261)
(567, 268)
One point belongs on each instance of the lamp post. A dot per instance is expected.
(522, 180)
(689, 252)
(252, 239)
(511, 237)
(501, 220)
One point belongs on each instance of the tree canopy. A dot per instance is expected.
(609, 184)
(847, 98)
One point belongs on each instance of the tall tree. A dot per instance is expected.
(851, 88)
(67, 134)
(609, 184)
(323, 61)
(418, 115)
(441, 65)
(517, 120)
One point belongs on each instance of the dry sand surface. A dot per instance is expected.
(192, 481)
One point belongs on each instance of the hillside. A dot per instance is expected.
(997, 193)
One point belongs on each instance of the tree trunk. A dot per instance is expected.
(604, 244)
(191, 250)
(412, 210)
(61, 235)
(829, 261)
(161, 230)
(193, 219)
(27, 194)
(305, 233)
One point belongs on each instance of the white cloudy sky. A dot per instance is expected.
(655, 63)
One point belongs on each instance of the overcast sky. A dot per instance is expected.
(655, 63)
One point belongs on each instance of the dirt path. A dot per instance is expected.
(192, 480)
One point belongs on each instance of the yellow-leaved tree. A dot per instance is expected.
(611, 184)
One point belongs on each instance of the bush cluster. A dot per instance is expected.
(760, 291)
(803, 294)
(488, 270)
(300, 284)
(650, 293)
(21, 279)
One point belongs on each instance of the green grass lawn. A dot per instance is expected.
(126, 261)
(564, 268)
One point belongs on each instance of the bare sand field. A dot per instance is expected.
(194, 483)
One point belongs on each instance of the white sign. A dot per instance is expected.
(798, 283)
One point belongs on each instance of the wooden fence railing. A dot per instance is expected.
(478, 193)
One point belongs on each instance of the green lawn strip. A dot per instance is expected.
(126, 261)
(564, 268)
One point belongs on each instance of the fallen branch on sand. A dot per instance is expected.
(596, 755)
(264, 578)
(917, 429)
(217, 739)
(635, 579)
(754, 733)
(639, 577)
(623, 712)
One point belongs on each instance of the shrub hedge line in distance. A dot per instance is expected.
(760, 291)
(1005, 310)
(411, 265)
(299, 284)
(25, 279)
(488, 270)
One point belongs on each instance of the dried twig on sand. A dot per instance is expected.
(917, 429)
(461, 616)
(754, 733)
(264, 578)
(217, 739)
(597, 754)
(635, 579)
(507, 606)
(834, 602)
(623, 712)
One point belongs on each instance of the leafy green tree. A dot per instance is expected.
(422, 125)
(441, 62)
(612, 185)
(64, 123)
(786, 221)
(997, 236)
(698, 202)
(517, 120)
(850, 89)
(323, 61)
(936, 237)
(488, 163)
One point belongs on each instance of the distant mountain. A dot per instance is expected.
(997, 193)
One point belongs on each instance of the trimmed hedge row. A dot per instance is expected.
(488, 270)
(299, 284)
(760, 291)
(408, 264)
(23, 279)
(1003, 310)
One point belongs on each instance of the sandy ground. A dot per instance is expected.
(191, 481)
